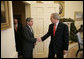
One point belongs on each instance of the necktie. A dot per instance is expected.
(54, 30)
(16, 27)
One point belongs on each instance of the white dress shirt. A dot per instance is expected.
(31, 28)
(57, 24)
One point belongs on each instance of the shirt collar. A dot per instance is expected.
(57, 23)
(29, 26)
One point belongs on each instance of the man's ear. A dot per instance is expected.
(27, 22)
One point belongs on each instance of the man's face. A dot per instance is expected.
(53, 20)
(15, 21)
(30, 23)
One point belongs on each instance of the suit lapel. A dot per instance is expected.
(58, 26)
(29, 30)
(52, 28)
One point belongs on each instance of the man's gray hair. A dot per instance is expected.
(28, 19)
(55, 16)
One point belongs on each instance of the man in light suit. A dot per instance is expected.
(29, 39)
(59, 37)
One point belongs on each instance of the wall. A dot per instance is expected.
(7, 36)
(8, 49)
(70, 8)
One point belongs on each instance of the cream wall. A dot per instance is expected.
(7, 36)
(8, 41)
(70, 8)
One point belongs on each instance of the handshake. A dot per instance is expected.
(39, 39)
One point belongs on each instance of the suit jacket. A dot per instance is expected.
(61, 39)
(29, 40)
(18, 38)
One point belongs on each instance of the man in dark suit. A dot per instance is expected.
(29, 40)
(59, 37)
(18, 36)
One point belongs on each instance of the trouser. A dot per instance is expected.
(28, 54)
(20, 54)
(52, 53)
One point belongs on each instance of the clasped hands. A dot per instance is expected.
(39, 39)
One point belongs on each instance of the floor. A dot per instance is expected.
(73, 47)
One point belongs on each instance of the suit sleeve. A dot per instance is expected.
(27, 37)
(66, 37)
(46, 35)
